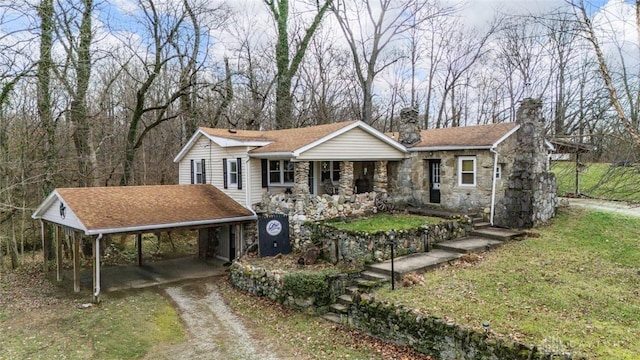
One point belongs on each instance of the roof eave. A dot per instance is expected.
(450, 148)
(131, 229)
(505, 136)
(272, 155)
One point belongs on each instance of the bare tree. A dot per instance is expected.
(288, 65)
(372, 30)
(627, 116)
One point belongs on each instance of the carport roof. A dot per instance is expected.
(130, 209)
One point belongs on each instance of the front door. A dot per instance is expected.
(434, 181)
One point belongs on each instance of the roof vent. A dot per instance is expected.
(233, 131)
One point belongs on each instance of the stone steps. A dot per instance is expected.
(497, 233)
(469, 244)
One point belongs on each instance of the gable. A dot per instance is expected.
(356, 144)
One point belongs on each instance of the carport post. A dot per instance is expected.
(76, 263)
(139, 239)
(58, 254)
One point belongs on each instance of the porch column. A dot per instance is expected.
(301, 185)
(346, 178)
(380, 183)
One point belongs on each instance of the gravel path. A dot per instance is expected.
(604, 205)
(213, 331)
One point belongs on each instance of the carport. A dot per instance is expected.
(98, 211)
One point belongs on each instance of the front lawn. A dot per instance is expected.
(574, 288)
(385, 222)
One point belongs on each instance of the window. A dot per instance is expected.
(330, 170)
(498, 171)
(233, 172)
(281, 172)
(467, 171)
(198, 172)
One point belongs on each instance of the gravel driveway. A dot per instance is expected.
(213, 331)
(604, 205)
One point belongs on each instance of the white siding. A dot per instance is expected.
(256, 181)
(213, 155)
(52, 214)
(354, 145)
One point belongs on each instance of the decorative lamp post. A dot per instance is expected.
(392, 242)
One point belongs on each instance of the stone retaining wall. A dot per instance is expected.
(427, 334)
(436, 337)
(363, 248)
(272, 284)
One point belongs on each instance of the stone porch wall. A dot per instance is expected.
(412, 183)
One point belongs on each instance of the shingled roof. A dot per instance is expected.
(121, 209)
(467, 137)
(284, 141)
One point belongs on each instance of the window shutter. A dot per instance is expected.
(192, 172)
(265, 173)
(204, 172)
(239, 160)
(224, 173)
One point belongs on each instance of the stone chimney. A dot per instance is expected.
(530, 195)
(409, 129)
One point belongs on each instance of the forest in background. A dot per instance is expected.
(106, 93)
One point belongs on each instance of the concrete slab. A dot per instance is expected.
(469, 244)
(497, 233)
(155, 273)
(415, 262)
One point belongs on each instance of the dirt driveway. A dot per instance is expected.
(213, 331)
(603, 205)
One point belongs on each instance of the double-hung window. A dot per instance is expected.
(330, 170)
(198, 171)
(232, 172)
(281, 172)
(467, 171)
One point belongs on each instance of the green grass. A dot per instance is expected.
(599, 180)
(123, 326)
(574, 288)
(386, 222)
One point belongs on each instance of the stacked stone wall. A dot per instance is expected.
(362, 248)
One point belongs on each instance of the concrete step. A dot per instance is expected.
(468, 244)
(497, 233)
(481, 224)
(415, 262)
(344, 299)
(374, 276)
(339, 308)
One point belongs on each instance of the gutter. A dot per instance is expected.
(170, 225)
(493, 184)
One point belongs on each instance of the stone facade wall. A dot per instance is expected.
(435, 337)
(315, 208)
(363, 248)
(412, 184)
(531, 191)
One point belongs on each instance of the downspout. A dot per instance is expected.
(44, 256)
(493, 184)
(97, 289)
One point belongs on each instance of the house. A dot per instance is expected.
(460, 169)
(340, 158)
